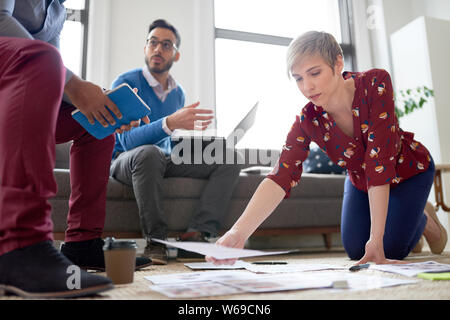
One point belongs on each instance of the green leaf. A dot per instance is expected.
(412, 99)
(399, 113)
(421, 102)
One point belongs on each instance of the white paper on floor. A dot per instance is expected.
(279, 282)
(184, 277)
(291, 267)
(239, 264)
(412, 269)
(263, 268)
(201, 289)
(208, 283)
(216, 251)
(364, 282)
(228, 282)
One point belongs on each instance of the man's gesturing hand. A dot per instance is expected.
(190, 118)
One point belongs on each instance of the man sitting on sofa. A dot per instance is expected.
(142, 155)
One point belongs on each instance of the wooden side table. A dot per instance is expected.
(438, 190)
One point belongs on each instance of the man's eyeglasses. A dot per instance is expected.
(165, 44)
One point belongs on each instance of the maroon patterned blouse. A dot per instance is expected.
(379, 153)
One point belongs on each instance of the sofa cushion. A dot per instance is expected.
(62, 155)
(173, 187)
(315, 202)
(311, 185)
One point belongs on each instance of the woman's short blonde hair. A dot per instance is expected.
(311, 43)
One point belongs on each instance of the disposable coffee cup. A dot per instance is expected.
(120, 260)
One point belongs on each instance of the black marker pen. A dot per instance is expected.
(359, 267)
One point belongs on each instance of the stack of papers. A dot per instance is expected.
(208, 283)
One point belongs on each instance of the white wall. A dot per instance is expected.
(439, 9)
(421, 57)
(436, 135)
(117, 34)
(376, 20)
(398, 13)
(405, 54)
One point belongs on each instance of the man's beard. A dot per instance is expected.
(161, 69)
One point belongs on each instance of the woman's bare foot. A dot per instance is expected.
(434, 232)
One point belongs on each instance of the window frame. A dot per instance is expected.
(82, 16)
(347, 35)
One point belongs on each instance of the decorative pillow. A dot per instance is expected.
(318, 162)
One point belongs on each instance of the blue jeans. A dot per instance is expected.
(405, 220)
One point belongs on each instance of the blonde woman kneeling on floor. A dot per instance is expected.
(350, 115)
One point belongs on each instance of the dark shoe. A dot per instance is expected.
(157, 252)
(196, 236)
(88, 255)
(41, 271)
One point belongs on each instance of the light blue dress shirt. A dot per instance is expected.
(33, 19)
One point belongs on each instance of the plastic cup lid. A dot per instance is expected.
(111, 244)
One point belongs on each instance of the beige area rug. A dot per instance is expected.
(423, 290)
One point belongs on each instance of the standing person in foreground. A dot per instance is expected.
(142, 157)
(351, 117)
(33, 118)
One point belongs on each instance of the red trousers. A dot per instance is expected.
(32, 120)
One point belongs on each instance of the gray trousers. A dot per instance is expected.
(144, 168)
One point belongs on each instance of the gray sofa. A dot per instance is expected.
(314, 206)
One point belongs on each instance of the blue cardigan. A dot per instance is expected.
(153, 132)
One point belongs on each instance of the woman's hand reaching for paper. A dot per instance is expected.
(232, 239)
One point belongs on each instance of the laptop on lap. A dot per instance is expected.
(202, 145)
